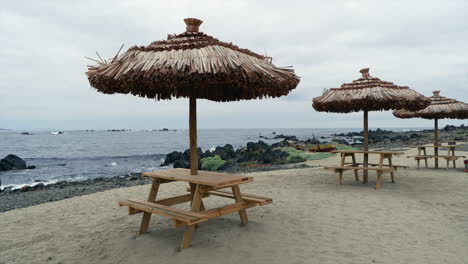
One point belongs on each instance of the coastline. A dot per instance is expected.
(40, 193)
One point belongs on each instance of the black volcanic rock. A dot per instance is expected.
(12, 162)
(172, 157)
(285, 137)
(181, 163)
(253, 152)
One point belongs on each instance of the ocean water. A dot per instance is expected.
(80, 155)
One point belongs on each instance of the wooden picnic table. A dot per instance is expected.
(200, 186)
(422, 154)
(379, 167)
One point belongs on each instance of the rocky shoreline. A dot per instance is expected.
(11, 199)
(40, 193)
(253, 157)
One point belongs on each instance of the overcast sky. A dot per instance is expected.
(422, 44)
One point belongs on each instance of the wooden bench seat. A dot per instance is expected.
(246, 197)
(187, 217)
(379, 170)
(338, 168)
(395, 167)
(448, 158)
(438, 156)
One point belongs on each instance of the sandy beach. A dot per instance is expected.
(422, 218)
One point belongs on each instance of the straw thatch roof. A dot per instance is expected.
(440, 107)
(192, 62)
(371, 94)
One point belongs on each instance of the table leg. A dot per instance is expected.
(151, 198)
(365, 173)
(196, 203)
(453, 154)
(356, 175)
(378, 184)
(340, 173)
(238, 197)
(425, 159)
(390, 164)
(192, 192)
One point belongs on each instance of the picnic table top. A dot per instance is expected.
(369, 152)
(208, 178)
(439, 146)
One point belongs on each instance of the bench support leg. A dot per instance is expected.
(453, 154)
(378, 184)
(196, 203)
(147, 216)
(425, 160)
(356, 175)
(340, 172)
(392, 176)
(238, 197)
(340, 177)
(192, 192)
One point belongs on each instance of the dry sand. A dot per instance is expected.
(422, 218)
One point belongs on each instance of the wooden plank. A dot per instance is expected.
(175, 200)
(161, 181)
(246, 197)
(375, 164)
(356, 175)
(203, 177)
(132, 211)
(164, 211)
(238, 198)
(147, 215)
(171, 201)
(369, 152)
(340, 173)
(196, 203)
(392, 174)
(358, 168)
(167, 208)
(433, 156)
(192, 190)
(378, 184)
(228, 209)
(249, 179)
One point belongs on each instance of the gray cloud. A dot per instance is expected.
(421, 44)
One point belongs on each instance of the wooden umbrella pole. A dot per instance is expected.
(366, 146)
(193, 134)
(436, 142)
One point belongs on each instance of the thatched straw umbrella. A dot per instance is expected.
(368, 94)
(440, 108)
(193, 65)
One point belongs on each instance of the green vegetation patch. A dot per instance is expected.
(296, 155)
(212, 163)
(344, 147)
